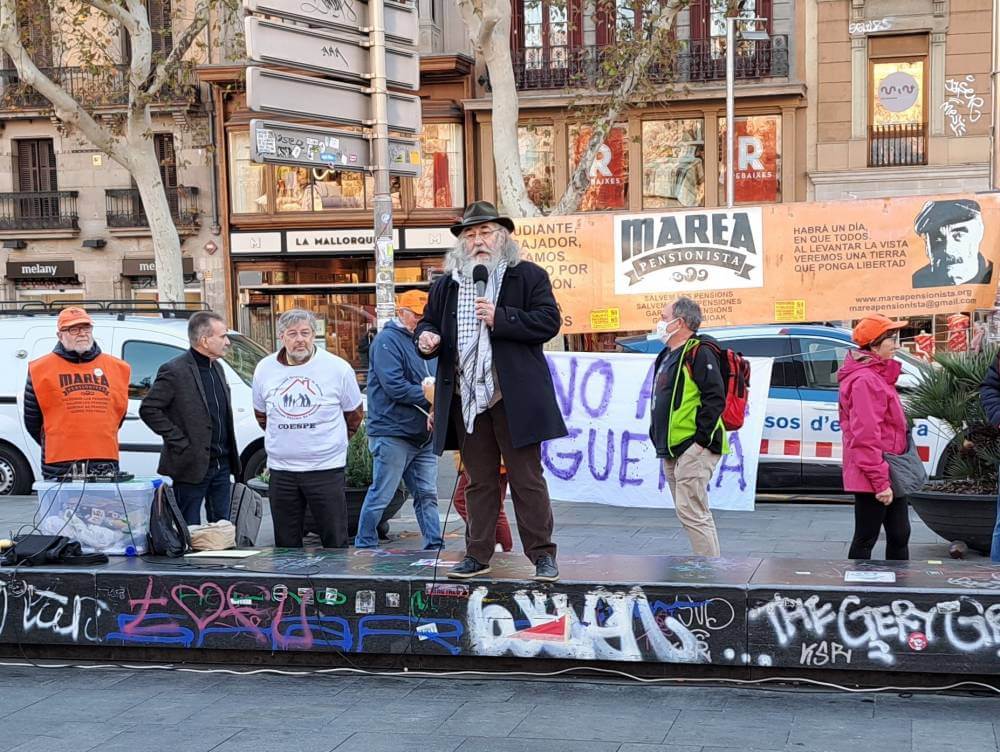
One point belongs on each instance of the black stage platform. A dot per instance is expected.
(928, 617)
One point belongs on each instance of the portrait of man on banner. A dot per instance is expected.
(953, 232)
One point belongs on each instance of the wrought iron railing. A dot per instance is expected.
(124, 209)
(39, 210)
(897, 145)
(697, 61)
(93, 87)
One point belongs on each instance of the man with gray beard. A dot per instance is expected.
(75, 400)
(494, 394)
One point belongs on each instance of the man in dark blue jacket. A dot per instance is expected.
(989, 395)
(399, 385)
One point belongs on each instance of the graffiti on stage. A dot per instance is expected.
(882, 630)
(274, 617)
(611, 625)
(46, 612)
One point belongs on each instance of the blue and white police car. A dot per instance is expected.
(801, 445)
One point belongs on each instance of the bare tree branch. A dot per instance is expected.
(168, 67)
(662, 20)
(115, 11)
(66, 108)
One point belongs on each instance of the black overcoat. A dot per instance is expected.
(176, 408)
(527, 316)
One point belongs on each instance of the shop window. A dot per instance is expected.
(673, 163)
(608, 172)
(757, 156)
(897, 133)
(538, 163)
(247, 187)
(441, 183)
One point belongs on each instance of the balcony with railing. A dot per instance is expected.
(124, 209)
(897, 145)
(93, 87)
(39, 210)
(697, 61)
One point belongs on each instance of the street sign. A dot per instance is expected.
(302, 146)
(401, 22)
(343, 56)
(303, 96)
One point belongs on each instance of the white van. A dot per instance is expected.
(144, 341)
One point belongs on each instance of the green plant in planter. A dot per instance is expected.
(950, 393)
(358, 473)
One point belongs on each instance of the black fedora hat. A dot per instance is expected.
(480, 212)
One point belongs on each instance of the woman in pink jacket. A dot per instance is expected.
(873, 422)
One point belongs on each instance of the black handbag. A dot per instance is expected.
(42, 550)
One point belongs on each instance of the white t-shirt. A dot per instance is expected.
(305, 408)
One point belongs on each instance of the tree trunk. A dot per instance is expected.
(510, 179)
(166, 242)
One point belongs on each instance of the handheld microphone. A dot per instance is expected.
(479, 276)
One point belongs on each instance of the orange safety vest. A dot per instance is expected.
(82, 406)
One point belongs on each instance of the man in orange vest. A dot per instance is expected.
(75, 400)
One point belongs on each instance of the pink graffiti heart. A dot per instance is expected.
(200, 592)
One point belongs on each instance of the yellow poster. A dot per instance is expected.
(783, 263)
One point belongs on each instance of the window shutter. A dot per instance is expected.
(764, 11)
(699, 11)
(46, 165)
(164, 145)
(604, 19)
(575, 23)
(517, 24)
(160, 26)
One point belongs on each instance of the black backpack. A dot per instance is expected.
(168, 532)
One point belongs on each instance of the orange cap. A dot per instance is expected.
(873, 326)
(415, 300)
(72, 317)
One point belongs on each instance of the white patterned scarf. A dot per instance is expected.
(475, 350)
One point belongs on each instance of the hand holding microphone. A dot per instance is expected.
(485, 309)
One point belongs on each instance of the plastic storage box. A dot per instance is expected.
(109, 518)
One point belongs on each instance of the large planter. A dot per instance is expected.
(958, 517)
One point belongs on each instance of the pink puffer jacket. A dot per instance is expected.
(871, 420)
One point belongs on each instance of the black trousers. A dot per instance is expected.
(870, 516)
(481, 451)
(322, 491)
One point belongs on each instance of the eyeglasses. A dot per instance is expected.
(78, 329)
(471, 236)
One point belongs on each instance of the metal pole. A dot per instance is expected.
(385, 276)
(730, 111)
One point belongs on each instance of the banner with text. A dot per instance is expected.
(608, 458)
(782, 263)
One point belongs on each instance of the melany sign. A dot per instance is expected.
(40, 269)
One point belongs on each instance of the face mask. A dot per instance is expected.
(660, 332)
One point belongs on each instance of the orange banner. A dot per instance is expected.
(782, 263)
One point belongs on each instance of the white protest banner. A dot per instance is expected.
(607, 457)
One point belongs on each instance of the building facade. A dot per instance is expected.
(903, 97)
(72, 224)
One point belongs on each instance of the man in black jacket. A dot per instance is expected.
(190, 407)
(686, 419)
(494, 393)
(989, 395)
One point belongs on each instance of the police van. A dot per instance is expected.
(801, 447)
(145, 339)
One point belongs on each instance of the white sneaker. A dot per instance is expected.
(498, 548)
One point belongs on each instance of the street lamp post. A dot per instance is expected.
(754, 34)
